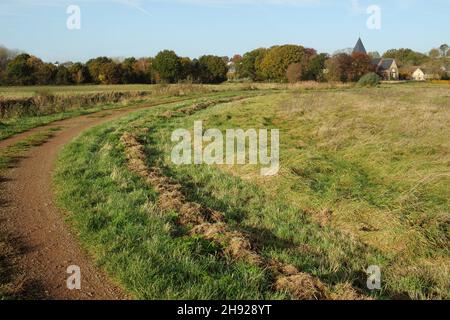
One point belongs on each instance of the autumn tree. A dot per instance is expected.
(237, 58)
(96, 68)
(279, 58)
(338, 67)
(45, 74)
(294, 72)
(361, 65)
(79, 73)
(110, 73)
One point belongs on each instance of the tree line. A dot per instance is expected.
(286, 63)
(292, 63)
(165, 67)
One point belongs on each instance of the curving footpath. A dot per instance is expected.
(29, 215)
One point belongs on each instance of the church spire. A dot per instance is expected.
(359, 48)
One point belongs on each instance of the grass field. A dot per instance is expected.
(364, 181)
(30, 91)
(25, 108)
(45, 111)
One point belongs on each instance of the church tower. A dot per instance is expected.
(359, 48)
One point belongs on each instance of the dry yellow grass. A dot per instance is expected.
(376, 161)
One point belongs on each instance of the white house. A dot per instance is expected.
(418, 75)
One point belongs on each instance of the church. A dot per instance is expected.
(386, 68)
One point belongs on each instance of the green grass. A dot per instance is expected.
(29, 91)
(17, 125)
(121, 225)
(10, 127)
(377, 159)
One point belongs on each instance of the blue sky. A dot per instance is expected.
(119, 28)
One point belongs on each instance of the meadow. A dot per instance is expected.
(364, 181)
(25, 108)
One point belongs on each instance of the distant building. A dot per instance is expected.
(422, 73)
(418, 75)
(385, 67)
(359, 47)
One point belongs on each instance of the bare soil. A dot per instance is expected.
(28, 215)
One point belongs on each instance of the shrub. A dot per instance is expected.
(369, 80)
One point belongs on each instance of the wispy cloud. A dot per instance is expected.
(136, 4)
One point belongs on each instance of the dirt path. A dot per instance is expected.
(28, 213)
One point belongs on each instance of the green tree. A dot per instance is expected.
(316, 67)
(406, 57)
(20, 71)
(63, 76)
(127, 72)
(250, 65)
(187, 72)
(213, 69)
(168, 66)
(444, 49)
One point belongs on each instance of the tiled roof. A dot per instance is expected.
(376, 61)
(386, 63)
